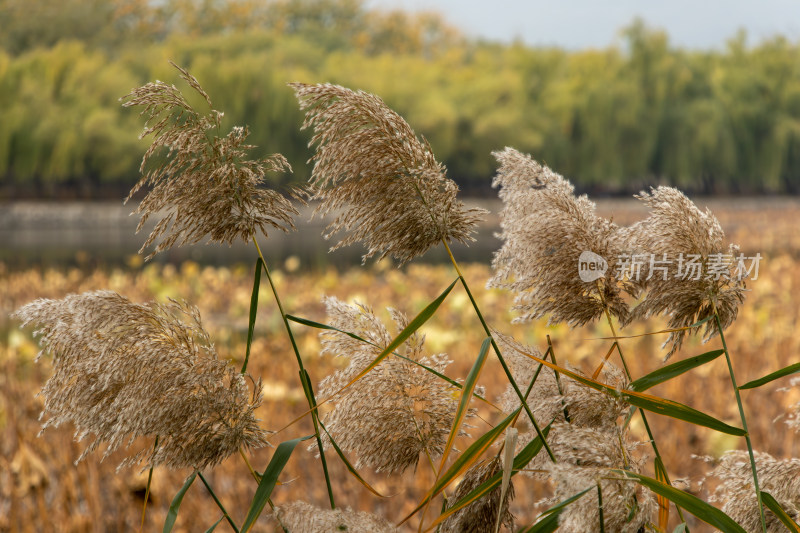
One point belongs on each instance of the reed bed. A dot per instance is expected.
(379, 398)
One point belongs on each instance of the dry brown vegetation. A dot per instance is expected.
(41, 489)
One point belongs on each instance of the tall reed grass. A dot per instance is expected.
(147, 377)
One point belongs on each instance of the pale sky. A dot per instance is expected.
(575, 24)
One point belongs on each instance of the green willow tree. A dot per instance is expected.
(615, 119)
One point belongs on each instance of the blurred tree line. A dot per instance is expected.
(612, 120)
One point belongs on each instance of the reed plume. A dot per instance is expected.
(780, 478)
(396, 411)
(301, 517)
(545, 230)
(552, 401)
(627, 506)
(205, 184)
(587, 457)
(481, 515)
(678, 230)
(123, 370)
(381, 180)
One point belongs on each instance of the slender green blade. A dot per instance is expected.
(782, 515)
(680, 528)
(253, 311)
(791, 369)
(466, 459)
(409, 330)
(318, 325)
(520, 461)
(549, 519)
(702, 510)
(215, 524)
(347, 464)
(269, 478)
(600, 508)
(650, 403)
(172, 514)
(675, 369)
(466, 396)
(547, 524)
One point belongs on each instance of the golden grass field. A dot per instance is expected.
(42, 490)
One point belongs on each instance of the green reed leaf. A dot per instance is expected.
(465, 460)
(215, 524)
(675, 369)
(650, 403)
(702, 510)
(318, 325)
(348, 465)
(520, 461)
(409, 330)
(782, 515)
(253, 311)
(791, 369)
(269, 478)
(548, 520)
(463, 402)
(172, 513)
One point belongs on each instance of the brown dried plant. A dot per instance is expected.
(627, 506)
(588, 456)
(780, 478)
(123, 370)
(396, 411)
(553, 400)
(301, 517)
(203, 184)
(545, 229)
(481, 515)
(676, 229)
(382, 182)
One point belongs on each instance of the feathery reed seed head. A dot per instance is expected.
(480, 515)
(123, 370)
(206, 183)
(676, 226)
(780, 478)
(586, 457)
(549, 400)
(545, 229)
(397, 410)
(301, 517)
(383, 182)
(627, 506)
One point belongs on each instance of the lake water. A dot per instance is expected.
(80, 233)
